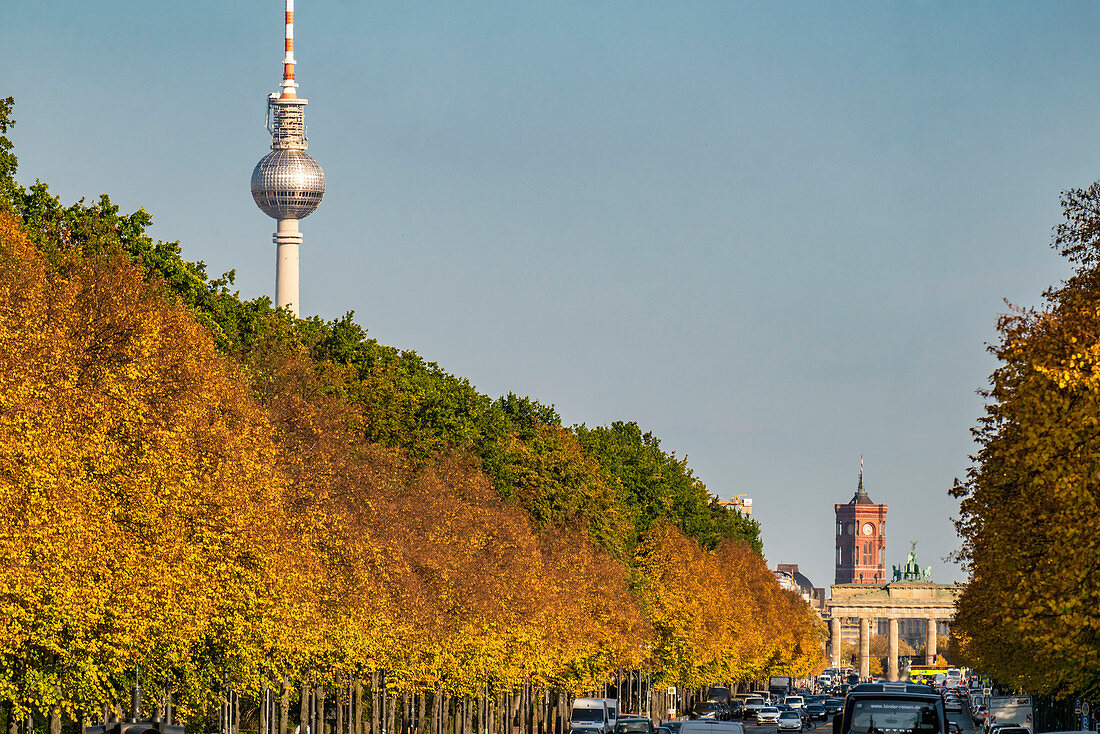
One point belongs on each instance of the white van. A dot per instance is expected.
(590, 716)
(795, 702)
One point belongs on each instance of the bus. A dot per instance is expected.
(928, 674)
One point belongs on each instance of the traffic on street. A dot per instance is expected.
(918, 706)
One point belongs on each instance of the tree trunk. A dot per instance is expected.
(265, 701)
(303, 710)
(284, 707)
(341, 688)
(374, 708)
(357, 716)
(390, 707)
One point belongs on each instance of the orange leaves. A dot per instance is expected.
(1030, 503)
(720, 615)
(136, 477)
(163, 506)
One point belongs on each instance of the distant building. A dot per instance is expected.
(790, 579)
(741, 503)
(860, 539)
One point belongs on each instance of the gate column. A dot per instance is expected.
(892, 650)
(864, 647)
(835, 640)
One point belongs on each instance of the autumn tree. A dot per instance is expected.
(216, 491)
(139, 507)
(1029, 505)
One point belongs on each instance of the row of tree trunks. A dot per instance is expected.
(348, 709)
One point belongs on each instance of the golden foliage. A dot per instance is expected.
(163, 507)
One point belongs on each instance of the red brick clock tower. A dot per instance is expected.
(860, 539)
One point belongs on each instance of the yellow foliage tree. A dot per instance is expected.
(139, 506)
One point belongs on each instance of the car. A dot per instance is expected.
(1009, 729)
(815, 712)
(633, 725)
(795, 702)
(674, 725)
(789, 721)
(705, 710)
(754, 704)
(710, 726)
(736, 708)
(833, 706)
(767, 715)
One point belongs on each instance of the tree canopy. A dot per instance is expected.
(210, 489)
(1030, 614)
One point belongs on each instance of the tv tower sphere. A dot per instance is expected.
(287, 184)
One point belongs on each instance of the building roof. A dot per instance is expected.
(860, 497)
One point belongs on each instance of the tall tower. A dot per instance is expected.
(860, 539)
(287, 184)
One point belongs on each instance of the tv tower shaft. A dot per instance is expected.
(287, 183)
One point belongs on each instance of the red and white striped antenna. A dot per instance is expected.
(289, 84)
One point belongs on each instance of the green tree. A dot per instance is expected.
(655, 485)
(8, 162)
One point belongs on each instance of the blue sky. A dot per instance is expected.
(778, 235)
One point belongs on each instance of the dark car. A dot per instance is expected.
(736, 708)
(706, 710)
(673, 725)
(815, 712)
(634, 725)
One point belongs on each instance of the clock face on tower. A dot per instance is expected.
(868, 528)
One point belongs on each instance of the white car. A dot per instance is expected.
(789, 721)
(795, 702)
(767, 715)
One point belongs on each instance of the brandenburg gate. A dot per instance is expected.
(898, 600)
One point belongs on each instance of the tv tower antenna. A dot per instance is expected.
(287, 183)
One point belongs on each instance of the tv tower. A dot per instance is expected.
(287, 183)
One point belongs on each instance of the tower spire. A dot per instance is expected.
(860, 489)
(288, 85)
